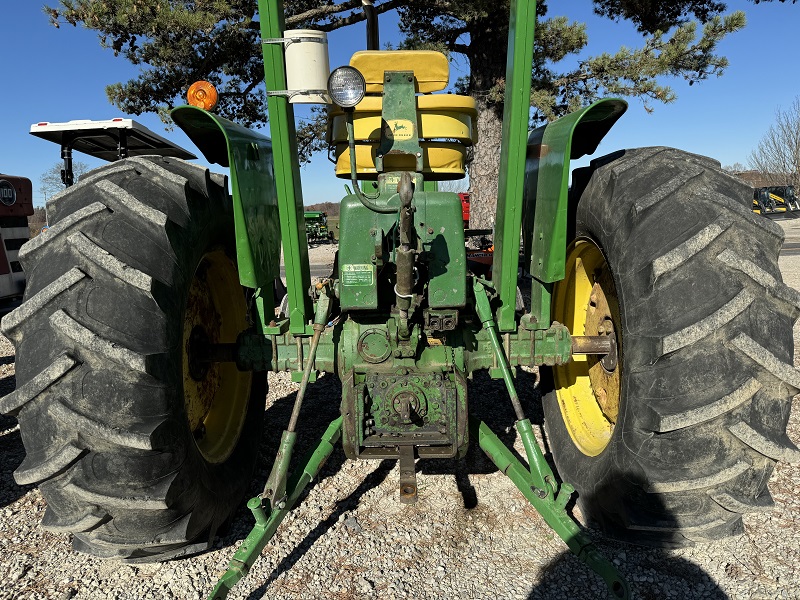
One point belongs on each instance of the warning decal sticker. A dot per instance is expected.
(358, 274)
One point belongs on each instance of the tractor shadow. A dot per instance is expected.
(658, 575)
(489, 402)
(656, 571)
(651, 573)
(321, 406)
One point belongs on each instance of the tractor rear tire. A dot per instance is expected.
(141, 452)
(682, 443)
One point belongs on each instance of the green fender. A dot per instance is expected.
(252, 182)
(545, 205)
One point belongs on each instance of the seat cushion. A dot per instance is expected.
(431, 69)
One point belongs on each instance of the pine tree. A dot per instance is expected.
(179, 42)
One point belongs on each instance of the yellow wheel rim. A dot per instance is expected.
(216, 395)
(588, 394)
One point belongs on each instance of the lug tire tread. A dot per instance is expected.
(99, 321)
(707, 347)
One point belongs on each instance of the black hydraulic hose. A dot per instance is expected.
(363, 198)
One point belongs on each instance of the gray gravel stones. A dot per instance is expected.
(471, 535)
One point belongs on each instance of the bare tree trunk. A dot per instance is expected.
(486, 85)
(485, 168)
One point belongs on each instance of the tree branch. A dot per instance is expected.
(245, 92)
(322, 11)
(452, 36)
(360, 16)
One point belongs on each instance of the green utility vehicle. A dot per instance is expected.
(317, 226)
(149, 323)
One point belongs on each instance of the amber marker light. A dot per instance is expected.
(202, 95)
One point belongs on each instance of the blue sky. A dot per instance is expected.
(60, 74)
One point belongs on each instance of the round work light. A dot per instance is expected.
(346, 87)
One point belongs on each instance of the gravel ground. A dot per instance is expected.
(471, 535)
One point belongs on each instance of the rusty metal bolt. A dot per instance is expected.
(539, 492)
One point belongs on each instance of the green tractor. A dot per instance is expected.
(149, 321)
(317, 226)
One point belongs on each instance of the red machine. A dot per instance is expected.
(16, 205)
(465, 208)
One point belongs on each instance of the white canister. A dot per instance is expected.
(307, 65)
